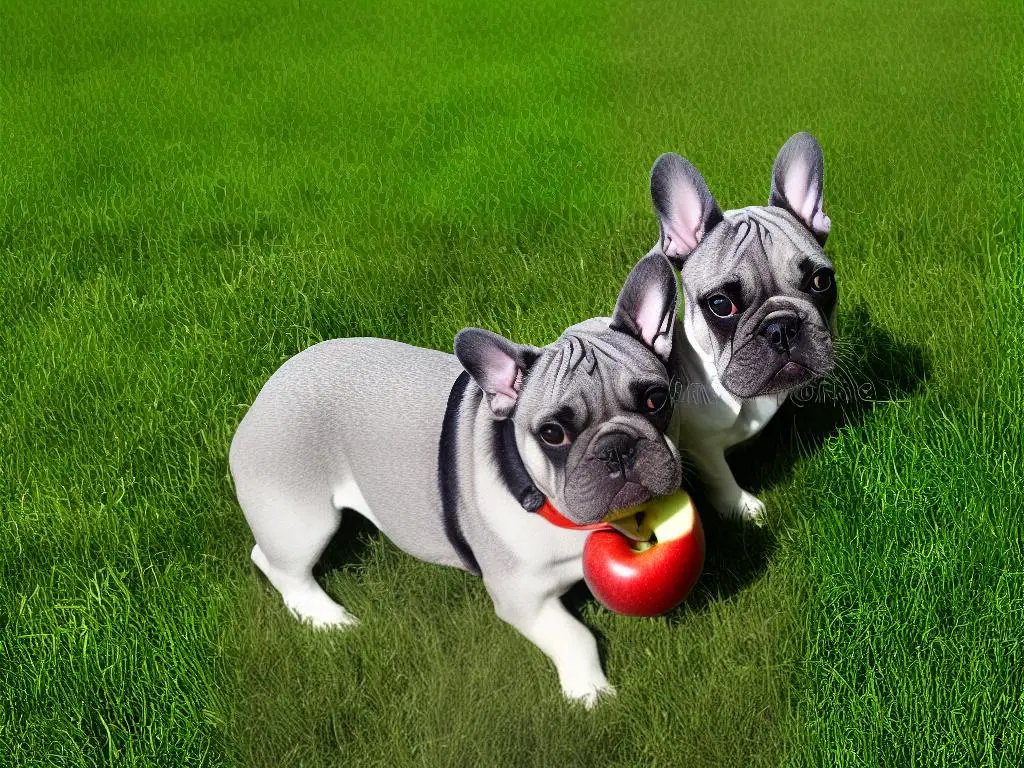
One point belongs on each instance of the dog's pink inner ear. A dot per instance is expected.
(504, 378)
(800, 189)
(804, 195)
(650, 317)
(685, 222)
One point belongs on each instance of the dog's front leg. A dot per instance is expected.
(725, 494)
(547, 624)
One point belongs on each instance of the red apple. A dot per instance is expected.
(654, 574)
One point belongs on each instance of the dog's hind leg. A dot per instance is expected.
(292, 531)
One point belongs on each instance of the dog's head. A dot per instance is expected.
(590, 410)
(760, 294)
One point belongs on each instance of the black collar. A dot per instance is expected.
(513, 471)
(448, 475)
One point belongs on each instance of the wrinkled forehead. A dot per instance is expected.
(752, 244)
(597, 372)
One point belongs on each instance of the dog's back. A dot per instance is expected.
(349, 423)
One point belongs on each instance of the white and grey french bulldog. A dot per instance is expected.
(759, 306)
(451, 455)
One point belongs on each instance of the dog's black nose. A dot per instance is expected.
(617, 451)
(781, 331)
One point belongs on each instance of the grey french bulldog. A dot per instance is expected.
(451, 455)
(759, 306)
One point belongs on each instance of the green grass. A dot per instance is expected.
(192, 192)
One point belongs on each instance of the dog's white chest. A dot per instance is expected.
(723, 421)
(754, 414)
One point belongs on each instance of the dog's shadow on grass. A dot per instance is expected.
(872, 368)
(348, 547)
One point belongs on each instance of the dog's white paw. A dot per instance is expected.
(737, 504)
(750, 508)
(588, 693)
(312, 606)
(322, 615)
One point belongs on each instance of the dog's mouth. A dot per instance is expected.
(629, 521)
(629, 497)
(790, 375)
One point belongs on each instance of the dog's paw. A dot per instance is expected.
(750, 508)
(588, 693)
(320, 612)
(335, 620)
(737, 504)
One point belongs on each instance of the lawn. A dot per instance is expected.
(192, 192)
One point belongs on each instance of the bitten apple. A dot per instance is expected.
(653, 569)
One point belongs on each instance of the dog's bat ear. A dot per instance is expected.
(798, 183)
(686, 209)
(646, 308)
(496, 364)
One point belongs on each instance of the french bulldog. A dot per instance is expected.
(759, 306)
(450, 456)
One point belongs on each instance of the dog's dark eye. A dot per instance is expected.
(821, 281)
(552, 433)
(722, 305)
(655, 399)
